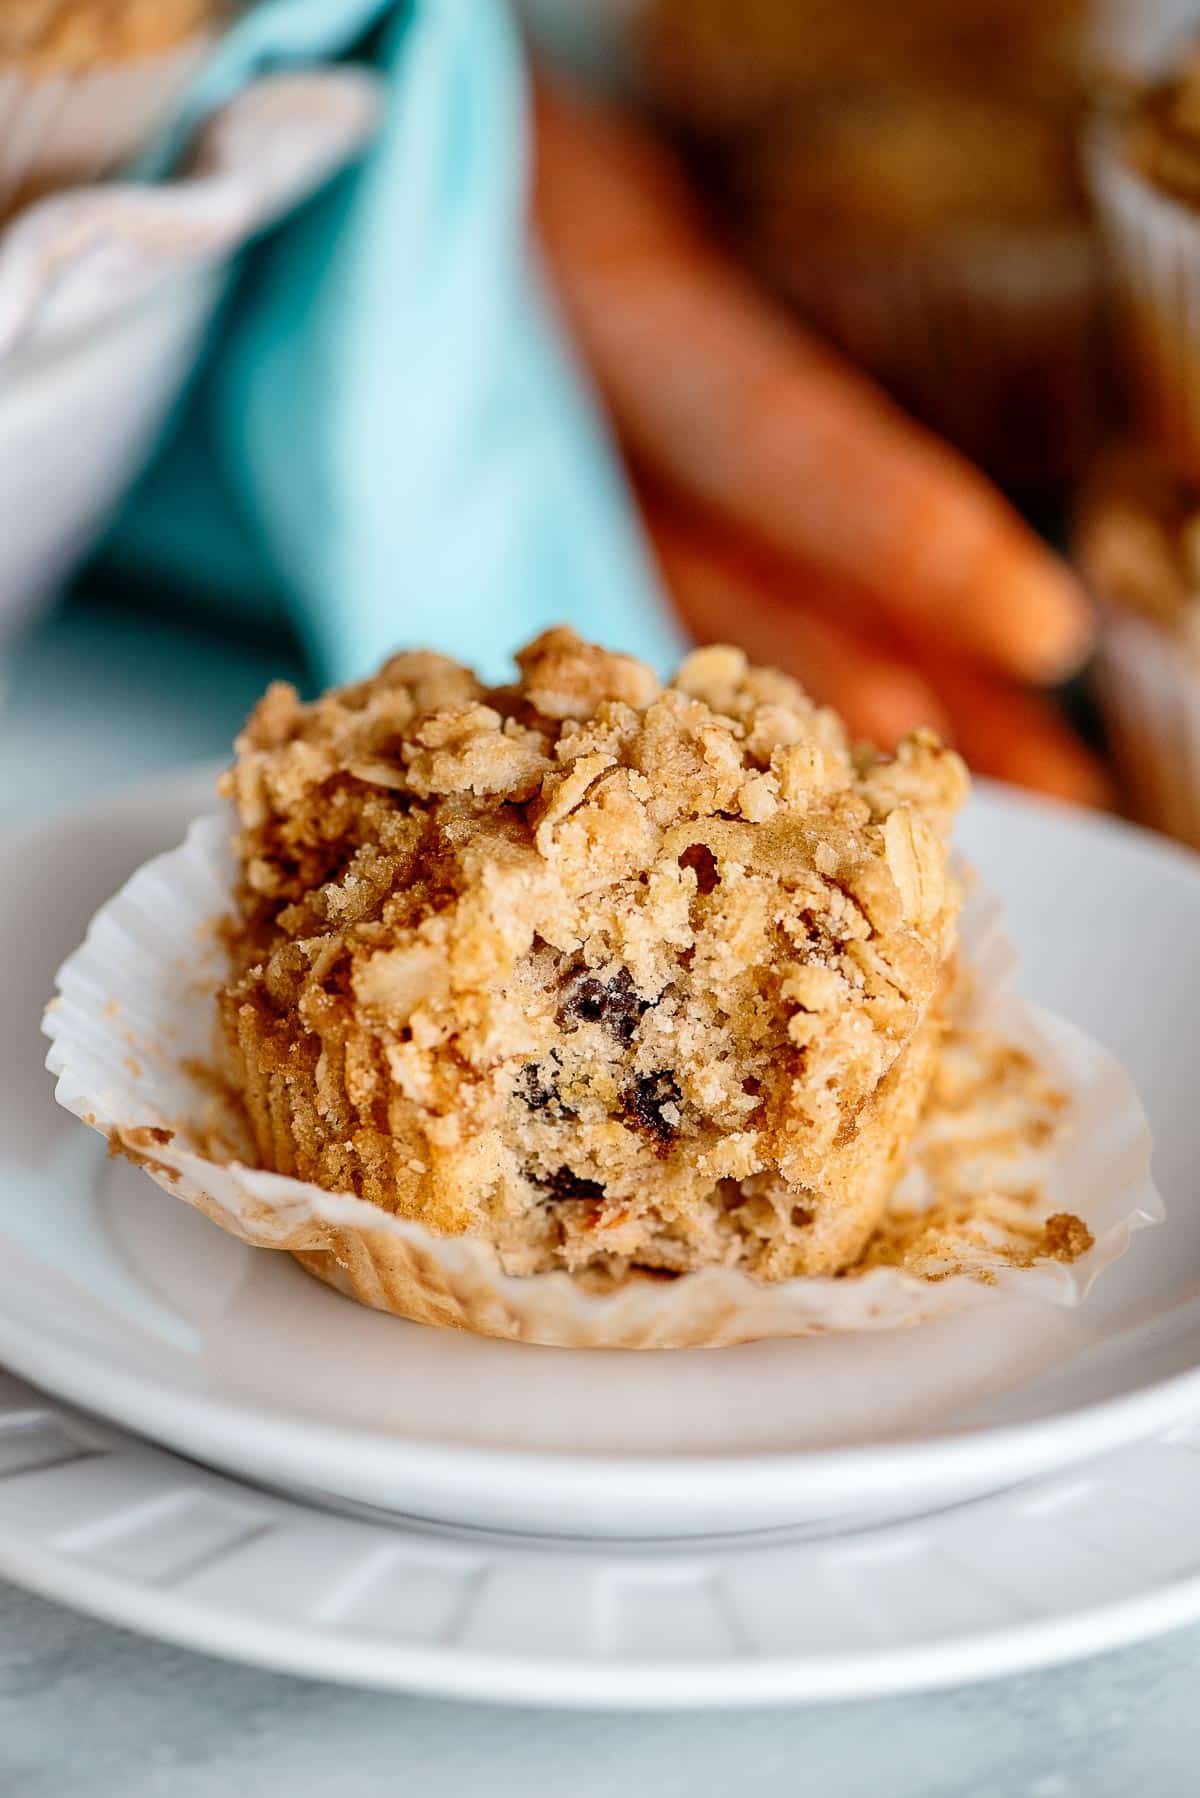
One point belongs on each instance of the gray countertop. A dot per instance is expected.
(89, 1710)
(91, 701)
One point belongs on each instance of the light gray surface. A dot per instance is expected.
(89, 1710)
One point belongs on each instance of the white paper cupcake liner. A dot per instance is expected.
(60, 130)
(75, 259)
(1148, 685)
(133, 1025)
(1153, 244)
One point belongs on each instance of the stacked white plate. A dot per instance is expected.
(789, 1520)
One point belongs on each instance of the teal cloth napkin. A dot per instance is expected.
(386, 441)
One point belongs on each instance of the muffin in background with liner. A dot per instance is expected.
(908, 180)
(712, 69)
(84, 84)
(1144, 170)
(939, 237)
(1137, 543)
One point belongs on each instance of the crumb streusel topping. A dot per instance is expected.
(618, 974)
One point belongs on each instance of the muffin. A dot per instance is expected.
(1137, 542)
(85, 83)
(908, 179)
(614, 975)
(713, 68)
(1144, 169)
(922, 227)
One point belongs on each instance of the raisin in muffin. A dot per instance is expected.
(615, 975)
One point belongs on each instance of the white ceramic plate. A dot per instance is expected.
(136, 1308)
(1088, 1561)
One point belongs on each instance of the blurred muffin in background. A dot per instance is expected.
(1137, 544)
(1144, 166)
(714, 66)
(907, 178)
(1129, 41)
(85, 83)
(940, 237)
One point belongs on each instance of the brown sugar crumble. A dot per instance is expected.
(971, 1200)
(1065, 1237)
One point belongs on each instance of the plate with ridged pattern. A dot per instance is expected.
(97, 1519)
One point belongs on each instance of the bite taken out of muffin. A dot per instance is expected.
(615, 975)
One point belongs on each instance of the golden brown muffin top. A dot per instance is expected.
(65, 35)
(588, 762)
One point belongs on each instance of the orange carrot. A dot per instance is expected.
(736, 406)
(1018, 736)
(821, 633)
(725, 593)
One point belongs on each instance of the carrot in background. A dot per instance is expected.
(824, 635)
(733, 404)
(1016, 735)
(722, 590)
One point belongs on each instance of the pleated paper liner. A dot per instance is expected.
(60, 130)
(132, 1028)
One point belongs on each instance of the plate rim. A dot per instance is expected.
(1156, 1407)
(432, 1670)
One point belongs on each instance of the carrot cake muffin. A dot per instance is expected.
(713, 67)
(905, 217)
(1137, 542)
(614, 974)
(1144, 167)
